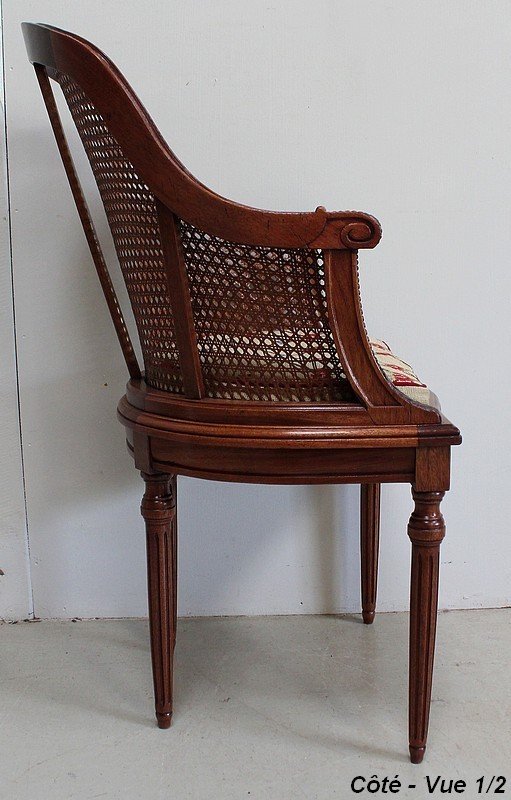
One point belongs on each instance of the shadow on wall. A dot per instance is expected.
(267, 549)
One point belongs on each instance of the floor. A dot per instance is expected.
(265, 707)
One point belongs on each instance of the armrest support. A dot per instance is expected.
(382, 400)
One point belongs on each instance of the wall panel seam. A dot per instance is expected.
(31, 610)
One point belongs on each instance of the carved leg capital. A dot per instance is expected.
(158, 502)
(426, 526)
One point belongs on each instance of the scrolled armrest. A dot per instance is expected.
(350, 230)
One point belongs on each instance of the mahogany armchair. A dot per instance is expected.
(257, 364)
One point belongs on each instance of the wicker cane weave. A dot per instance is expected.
(260, 314)
(131, 214)
(261, 320)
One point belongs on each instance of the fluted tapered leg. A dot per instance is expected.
(369, 544)
(426, 530)
(159, 512)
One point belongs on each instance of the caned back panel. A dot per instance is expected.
(131, 213)
(260, 314)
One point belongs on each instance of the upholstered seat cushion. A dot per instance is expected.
(402, 376)
(272, 353)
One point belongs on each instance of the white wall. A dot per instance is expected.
(401, 109)
(15, 600)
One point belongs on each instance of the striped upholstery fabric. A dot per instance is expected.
(273, 357)
(402, 375)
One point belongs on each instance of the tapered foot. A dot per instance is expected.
(369, 544)
(417, 754)
(164, 720)
(159, 511)
(426, 531)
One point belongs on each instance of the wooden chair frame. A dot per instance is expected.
(385, 437)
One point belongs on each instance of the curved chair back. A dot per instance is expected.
(230, 302)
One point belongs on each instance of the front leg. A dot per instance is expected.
(159, 511)
(426, 530)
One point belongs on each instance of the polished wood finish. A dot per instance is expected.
(426, 530)
(366, 432)
(383, 401)
(159, 511)
(179, 293)
(369, 547)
